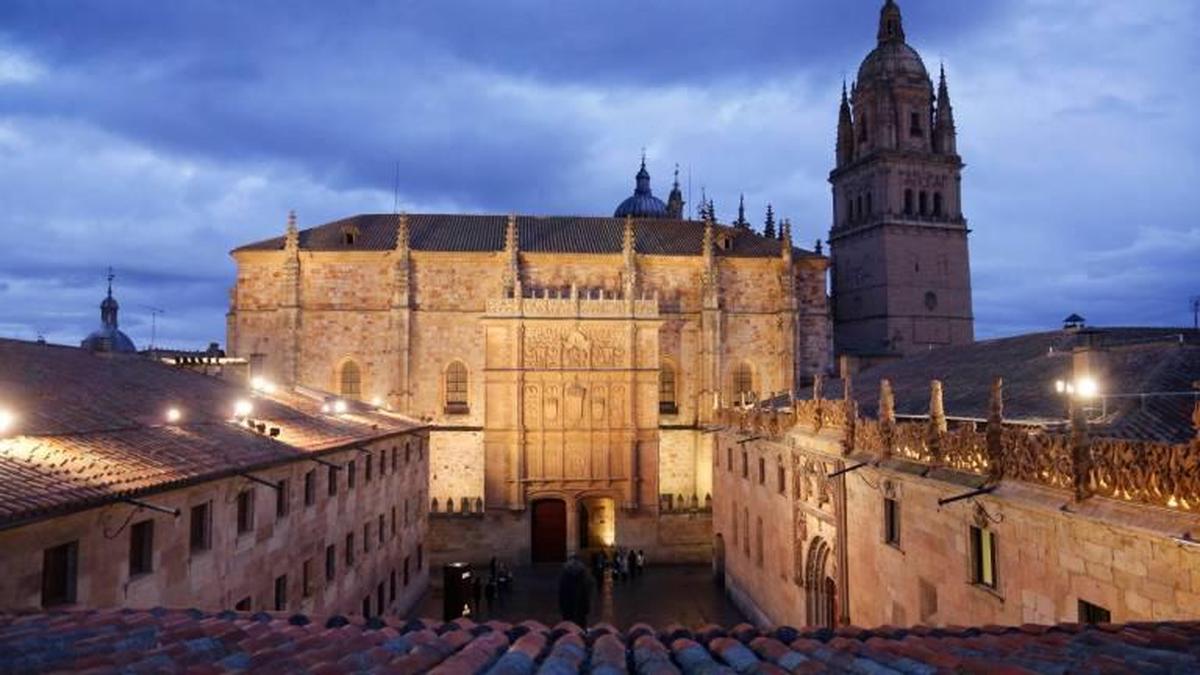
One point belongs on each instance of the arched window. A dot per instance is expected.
(908, 202)
(350, 381)
(870, 206)
(743, 383)
(858, 207)
(456, 389)
(666, 391)
(924, 203)
(849, 216)
(937, 204)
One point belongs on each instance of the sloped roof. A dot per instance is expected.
(1134, 361)
(91, 429)
(537, 234)
(178, 640)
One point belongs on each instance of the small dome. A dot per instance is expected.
(109, 339)
(893, 60)
(643, 203)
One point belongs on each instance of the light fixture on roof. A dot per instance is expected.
(262, 384)
(174, 415)
(8, 421)
(377, 402)
(242, 408)
(1084, 387)
(339, 406)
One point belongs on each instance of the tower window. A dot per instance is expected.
(908, 202)
(923, 201)
(914, 127)
(870, 206)
(351, 380)
(666, 391)
(937, 204)
(858, 207)
(456, 389)
(743, 382)
(862, 129)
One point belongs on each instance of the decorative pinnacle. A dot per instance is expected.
(110, 280)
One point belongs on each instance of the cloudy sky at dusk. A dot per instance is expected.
(157, 136)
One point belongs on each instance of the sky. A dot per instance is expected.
(157, 136)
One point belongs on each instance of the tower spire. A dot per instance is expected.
(891, 25)
(769, 225)
(845, 133)
(945, 135)
(675, 199)
(741, 222)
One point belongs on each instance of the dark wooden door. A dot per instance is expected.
(549, 531)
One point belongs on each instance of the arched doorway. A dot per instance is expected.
(821, 590)
(548, 530)
(597, 518)
(718, 561)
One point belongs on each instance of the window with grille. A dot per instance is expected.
(666, 391)
(456, 389)
(983, 557)
(743, 383)
(351, 380)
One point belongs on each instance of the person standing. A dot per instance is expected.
(575, 592)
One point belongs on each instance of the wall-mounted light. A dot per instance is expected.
(8, 421)
(262, 384)
(339, 406)
(242, 408)
(174, 415)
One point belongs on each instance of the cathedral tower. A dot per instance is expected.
(901, 272)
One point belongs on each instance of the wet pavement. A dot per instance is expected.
(685, 595)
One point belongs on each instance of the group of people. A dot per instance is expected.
(624, 564)
(498, 585)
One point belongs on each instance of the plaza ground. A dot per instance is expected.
(660, 596)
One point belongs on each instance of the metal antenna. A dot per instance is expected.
(154, 312)
(1196, 312)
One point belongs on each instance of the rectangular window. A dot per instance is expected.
(407, 452)
(393, 522)
(406, 559)
(349, 549)
(243, 605)
(282, 499)
(914, 127)
(781, 478)
(745, 464)
(351, 474)
(60, 567)
(380, 529)
(366, 607)
(891, 521)
(392, 586)
(367, 537)
(420, 557)
(380, 598)
(306, 578)
(333, 477)
(729, 458)
(141, 548)
(762, 471)
(201, 527)
(245, 511)
(281, 593)
(983, 557)
(395, 459)
(330, 562)
(370, 464)
(1089, 613)
(310, 488)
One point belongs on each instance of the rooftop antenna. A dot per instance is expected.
(396, 191)
(1196, 312)
(154, 313)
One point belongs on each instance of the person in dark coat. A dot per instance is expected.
(575, 592)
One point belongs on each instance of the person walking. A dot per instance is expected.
(575, 592)
(631, 563)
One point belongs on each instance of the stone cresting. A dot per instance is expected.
(1143, 472)
(161, 640)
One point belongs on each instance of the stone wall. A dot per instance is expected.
(240, 566)
(455, 465)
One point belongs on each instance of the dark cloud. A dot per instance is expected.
(157, 136)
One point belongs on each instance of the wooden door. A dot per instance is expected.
(549, 531)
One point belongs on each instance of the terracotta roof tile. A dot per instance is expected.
(537, 234)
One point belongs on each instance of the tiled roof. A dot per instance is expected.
(551, 234)
(1134, 361)
(178, 640)
(91, 428)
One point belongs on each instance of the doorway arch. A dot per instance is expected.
(821, 589)
(548, 530)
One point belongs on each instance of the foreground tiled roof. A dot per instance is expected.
(551, 234)
(1134, 361)
(179, 640)
(91, 429)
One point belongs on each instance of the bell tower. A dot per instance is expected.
(900, 267)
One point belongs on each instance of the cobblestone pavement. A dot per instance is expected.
(684, 595)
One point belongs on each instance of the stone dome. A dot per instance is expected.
(642, 203)
(108, 338)
(892, 61)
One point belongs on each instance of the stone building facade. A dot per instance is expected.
(567, 365)
(130, 483)
(900, 269)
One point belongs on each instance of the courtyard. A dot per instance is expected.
(660, 596)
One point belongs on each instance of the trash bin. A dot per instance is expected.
(457, 580)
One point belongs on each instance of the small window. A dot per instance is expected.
(366, 607)
(380, 598)
(60, 567)
(392, 586)
(456, 389)
(201, 527)
(870, 205)
(310, 488)
(923, 202)
(370, 463)
(351, 474)
(729, 458)
(862, 129)
(141, 548)
(245, 511)
(407, 453)
(420, 557)
(745, 464)
(281, 593)
(666, 391)
(914, 126)
(351, 380)
(762, 471)
(330, 562)
(735, 525)
(282, 499)
(891, 521)
(758, 541)
(937, 204)
(348, 238)
(394, 524)
(743, 383)
(380, 529)
(908, 202)
(931, 300)
(1089, 613)
(306, 578)
(333, 480)
(349, 549)
(367, 537)
(781, 478)
(243, 605)
(406, 561)
(858, 206)
(395, 459)
(983, 557)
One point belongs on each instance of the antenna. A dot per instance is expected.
(154, 312)
(396, 191)
(1196, 312)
